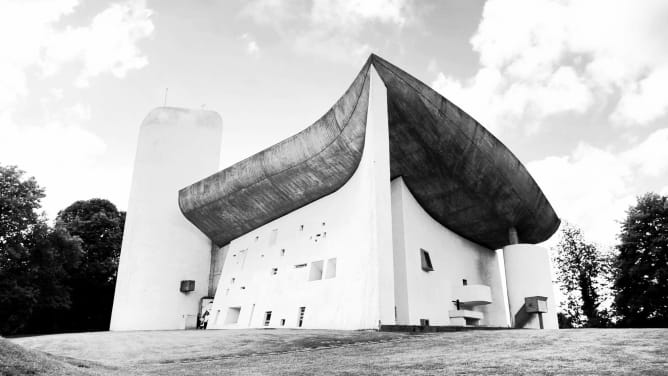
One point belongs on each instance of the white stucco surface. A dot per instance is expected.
(288, 263)
(429, 294)
(528, 274)
(160, 247)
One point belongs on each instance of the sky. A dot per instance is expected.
(578, 90)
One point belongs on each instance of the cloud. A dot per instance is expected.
(593, 187)
(252, 48)
(539, 58)
(55, 146)
(108, 45)
(328, 28)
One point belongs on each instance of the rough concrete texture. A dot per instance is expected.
(462, 175)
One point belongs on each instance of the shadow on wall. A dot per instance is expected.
(522, 317)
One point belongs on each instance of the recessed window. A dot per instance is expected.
(273, 236)
(426, 261)
(282, 322)
(283, 252)
(232, 315)
(267, 318)
(274, 271)
(301, 227)
(300, 319)
(232, 280)
(323, 223)
(316, 271)
(257, 238)
(330, 271)
(243, 287)
(464, 282)
(424, 322)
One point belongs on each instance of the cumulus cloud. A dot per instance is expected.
(539, 58)
(593, 187)
(108, 45)
(328, 28)
(252, 48)
(55, 146)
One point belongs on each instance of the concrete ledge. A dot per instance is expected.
(435, 329)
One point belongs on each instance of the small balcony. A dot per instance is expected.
(473, 295)
(465, 317)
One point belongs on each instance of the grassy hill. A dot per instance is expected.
(261, 352)
(16, 360)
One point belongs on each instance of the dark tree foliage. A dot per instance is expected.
(581, 269)
(99, 225)
(34, 260)
(641, 279)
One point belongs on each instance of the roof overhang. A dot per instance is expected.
(462, 175)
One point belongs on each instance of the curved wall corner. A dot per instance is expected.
(160, 247)
(527, 269)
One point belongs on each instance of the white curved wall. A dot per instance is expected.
(528, 274)
(351, 225)
(160, 247)
(429, 295)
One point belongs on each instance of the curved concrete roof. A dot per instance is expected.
(460, 173)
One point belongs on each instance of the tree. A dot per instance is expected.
(581, 272)
(641, 274)
(99, 225)
(34, 259)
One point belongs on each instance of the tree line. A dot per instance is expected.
(626, 286)
(58, 278)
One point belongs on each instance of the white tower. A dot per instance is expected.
(176, 147)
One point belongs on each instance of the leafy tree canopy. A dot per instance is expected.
(581, 273)
(641, 280)
(99, 225)
(35, 261)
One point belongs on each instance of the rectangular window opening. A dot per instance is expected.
(316, 271)
(465, 282)
(426, 261)
(273, 236)
(300, 320)
(300, 266)
(267, 318)
(232, 316)
(282, 322)
(330, 271)
(283, 252)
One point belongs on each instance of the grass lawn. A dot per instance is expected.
(563, 352)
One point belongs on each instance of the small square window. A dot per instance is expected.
(465, 282)
(315, 273)
(330, 271)
(426, 261)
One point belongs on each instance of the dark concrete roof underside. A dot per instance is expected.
(464, 177)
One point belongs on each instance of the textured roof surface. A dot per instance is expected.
(460, 173)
